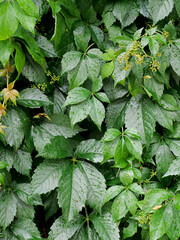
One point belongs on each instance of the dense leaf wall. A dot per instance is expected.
(89, 119)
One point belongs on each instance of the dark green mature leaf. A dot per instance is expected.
(126, 12)
(112, 192)
(131, 202)
(22, 162)
(177, 4)
(79, 112)
(7, 208)
(59, 147)
(25, 228)
(96, 187)
(134, 146)
(121, 154)
(161, 221)
(155, 87)
(105, 227)
(14, 133)
(174, 168)
(174, 145)
(97, 35)
(82, 36)
(8, 21)
(168, 102)
(130, 230)
(174, 230)
(126, 176)
(90, 150)
(175, 59)
(119, 208)
(153, 198)
(140, 115)
(46, 46)
(97, 112)
(46, 176)
(77, 95)
(93, 65)
(160, 9)
(59, 229)
(110, 135)
(5, 51)
(164, 117)
(72, 192)
(33, 98)
(19, 58)
(70, 60)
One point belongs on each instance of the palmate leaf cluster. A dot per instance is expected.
(90, 123)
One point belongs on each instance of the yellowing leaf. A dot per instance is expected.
(10, 93)
(1, 128)
(2, 110)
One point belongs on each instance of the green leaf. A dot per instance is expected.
(93, 65)
(107, 69)
(19, 58)
(90, 150)
(46, 46)
(105, 227)
(46, 176)
(126, 176)
(175, 59)
(140, 115)
(112, 192)
(110, 135)
(160, 9)
(78, 75)
(137, 34)
(72, 192)
(26, 228)
(134, 146)
(109, 149)
(29, 7)
(59, 229)
(70, 60)
(132, 133)
(97, 84)
(176, 133)
(59, 147)
(131, 202)
(153, 198)
(155, 87)
(130, 230)
(5, 51)
(126, 12)
(14, 133)
(97, 112)
(164, 158)
(136, 188)
(82, 36)
(97, 34)
(108, 19)
(164, 118)
(3, 165)
(23, 162)
(60, 28)
(7, 208)
(77, 95)
(27, 21)
(174, 168)
(119, 208)
(174, 230)
(58, 126)
(168, 102)
(177, 5)
(33, 98)
(160, 222)
(96, 187)
(8, 21)
(79, 112)
(102, 96)
(174, 145)
(153, 46)
(177, 201)
(121, 154)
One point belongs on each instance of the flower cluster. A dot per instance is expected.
(53, 77)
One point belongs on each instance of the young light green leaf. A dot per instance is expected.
(96, 187)
(107, 69)
(7, 208)
(59, 229)
(160, 9)
(90, 150)
(72, 192)
(109, 149)
(105, 226)
(46, 176)
(5, 51)
(102, 96)
(77, 95)
(126, 176)
(134, 146)
(93, 65)
(153, 46)
(8, 21)
(119, 208)
(121, 154)
(29, 7)
(161, 221)
(97, 112)
(110, 135)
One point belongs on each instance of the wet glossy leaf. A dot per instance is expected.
(174, 168)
